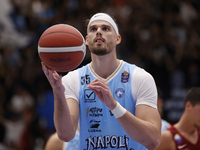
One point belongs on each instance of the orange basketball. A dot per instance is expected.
(61, 47)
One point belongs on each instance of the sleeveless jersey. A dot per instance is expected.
(99, 128)
(73, 144)
(165, 125)
(182, 143)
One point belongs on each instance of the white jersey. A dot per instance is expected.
(99, 129)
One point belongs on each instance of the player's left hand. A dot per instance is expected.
(102, 90)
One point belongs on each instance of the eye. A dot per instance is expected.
(105, 29)
(93, 29)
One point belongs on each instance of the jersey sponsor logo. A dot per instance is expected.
(181, 146)
(120, 92)
(177, 138)
(89, 96)
(94, 112)
(125, 77)
(94, 126)
(99, 142)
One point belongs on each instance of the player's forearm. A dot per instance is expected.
(141, 131)
(62, 119)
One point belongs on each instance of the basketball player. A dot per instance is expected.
(185, 134)
(115, 102)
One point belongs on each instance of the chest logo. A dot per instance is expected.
(125, 77)
(178, 138)
(120, 92)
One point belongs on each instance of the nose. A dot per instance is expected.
(98, 31)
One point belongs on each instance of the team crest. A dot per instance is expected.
(120, 92)
(178, 138)
(125, 77)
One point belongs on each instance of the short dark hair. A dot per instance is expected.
(193, 96)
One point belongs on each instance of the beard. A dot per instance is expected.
(99, 51)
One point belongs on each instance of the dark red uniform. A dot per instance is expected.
(182, 143)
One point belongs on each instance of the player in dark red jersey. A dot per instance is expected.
(185, 134)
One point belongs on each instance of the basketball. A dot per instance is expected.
(61, 47)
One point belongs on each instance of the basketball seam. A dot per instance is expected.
(60, 32)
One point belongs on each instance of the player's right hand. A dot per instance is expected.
(53, 77)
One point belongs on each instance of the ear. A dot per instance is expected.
(188, 105)
(119, 39)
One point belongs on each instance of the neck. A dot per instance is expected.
(187, 128)
(186, 125)
(104, 65)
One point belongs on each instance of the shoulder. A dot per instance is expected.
(140, 73)
(166, 135)
(54, 143)
(141, 77)
(137, 71)
(166, 142)
(71, 79)
(143, 87)
(167, 138)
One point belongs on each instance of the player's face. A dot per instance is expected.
(101, 38)
(196, 113)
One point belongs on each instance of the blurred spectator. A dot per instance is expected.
(2, 118)
(45, 111)
(31, 137)
(21, 100)
(187, 12)
(14, 128)
(15, 122)
(9, 34)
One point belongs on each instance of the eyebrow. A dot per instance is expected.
(104, 25)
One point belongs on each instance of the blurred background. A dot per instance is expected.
(163, 37)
